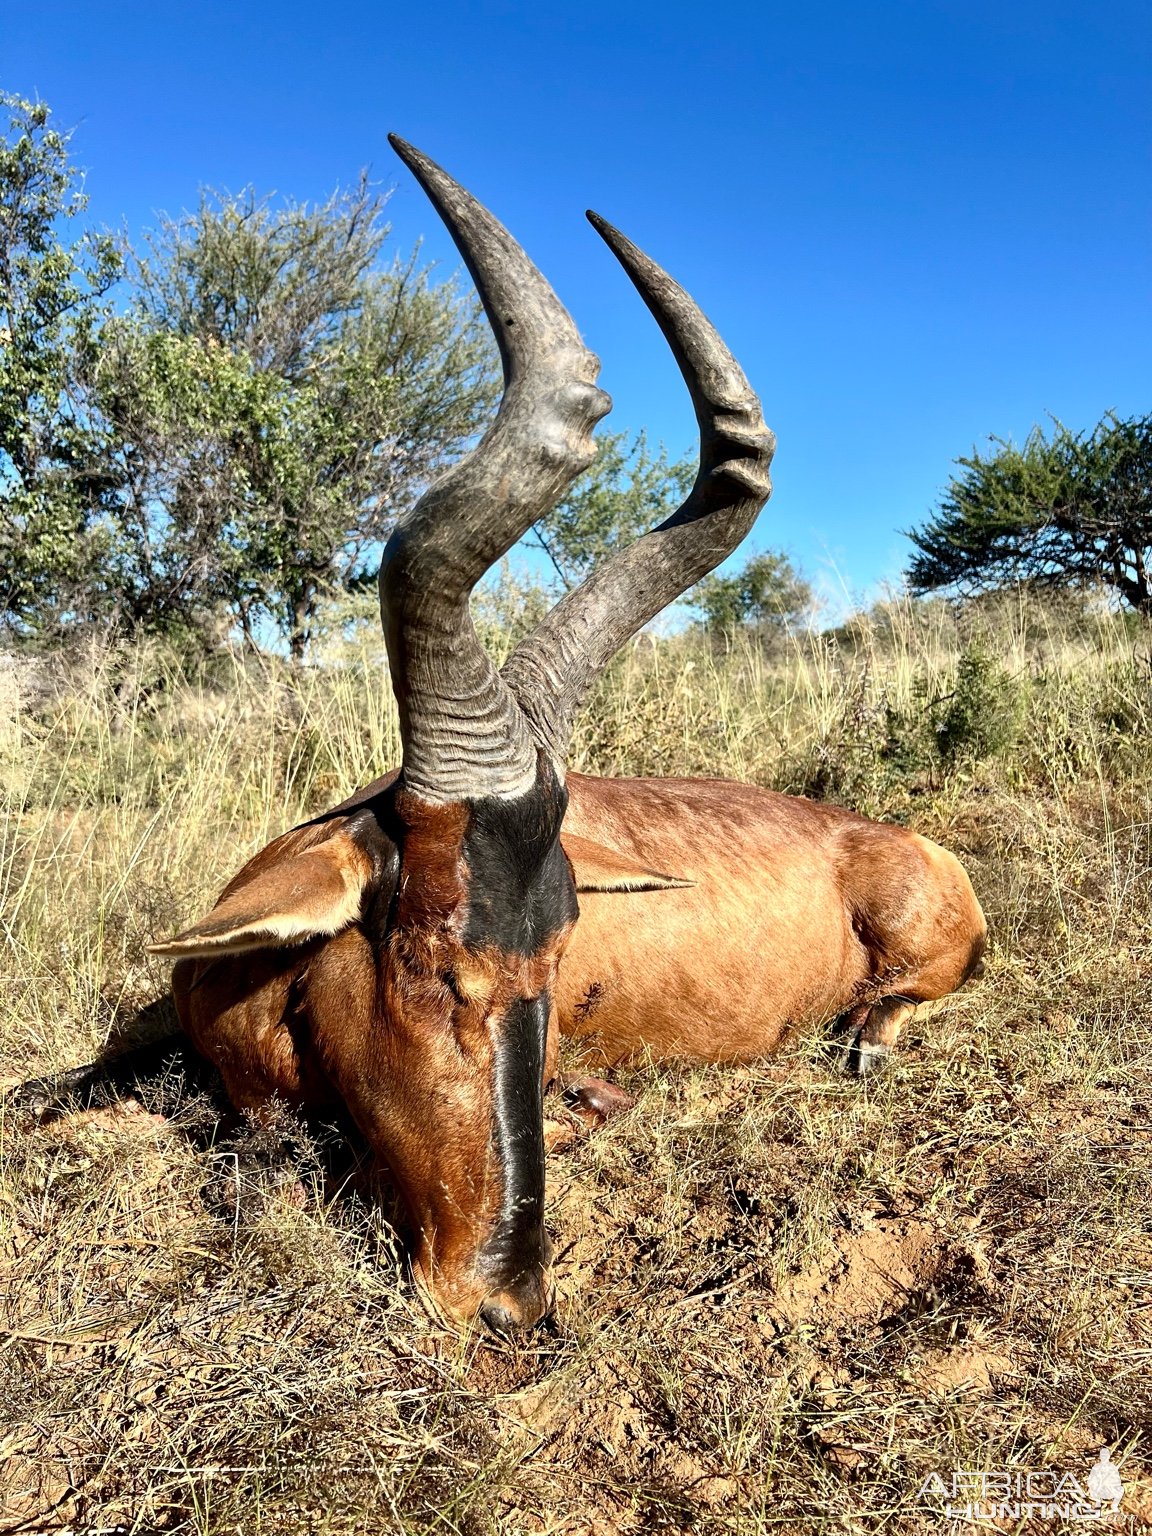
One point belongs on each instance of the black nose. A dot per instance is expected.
(516, 1308)
(498, 1318)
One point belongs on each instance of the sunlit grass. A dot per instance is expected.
(784, 1299)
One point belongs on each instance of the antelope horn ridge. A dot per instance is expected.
(463, 732)
(551, 670)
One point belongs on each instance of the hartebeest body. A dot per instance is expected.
(783, 914)
(414, 953)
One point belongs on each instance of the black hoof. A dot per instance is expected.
(863, 1059)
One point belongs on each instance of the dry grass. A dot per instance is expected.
(785, 1299)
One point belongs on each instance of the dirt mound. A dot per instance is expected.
(964, 1369)
(891, 1267)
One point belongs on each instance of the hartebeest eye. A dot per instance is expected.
(452, 982)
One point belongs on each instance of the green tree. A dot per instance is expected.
(767, 594)
(627, 490)
(278, 394)
(1072, 509)
(53, 453)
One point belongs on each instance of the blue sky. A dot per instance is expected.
(916, 223)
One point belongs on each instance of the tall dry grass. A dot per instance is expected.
(785, 1300)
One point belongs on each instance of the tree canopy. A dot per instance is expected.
(53, 296)
(766, 594)
(1069, 509)
(239, 436)
(626, 490)
(216, 430)
(277, 396)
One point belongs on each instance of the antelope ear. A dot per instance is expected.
(597, 868)
(301, 896)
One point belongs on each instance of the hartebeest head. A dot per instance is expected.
(448, 898)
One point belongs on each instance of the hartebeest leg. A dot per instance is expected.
(879, 1036)
(589, 1103)
(870, 1032)
(594, 1100)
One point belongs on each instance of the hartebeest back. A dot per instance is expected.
(413, 952)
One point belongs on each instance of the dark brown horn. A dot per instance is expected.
(552, 669)
(463, 732)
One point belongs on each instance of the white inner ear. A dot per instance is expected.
(309, 895)
(641, 881)
(597, 868)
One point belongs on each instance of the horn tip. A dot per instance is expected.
(412, 157)
(617, 242)
(440, 187)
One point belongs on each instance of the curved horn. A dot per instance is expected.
(552, 669)
(463, 732)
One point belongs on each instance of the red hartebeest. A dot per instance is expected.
(414, 952)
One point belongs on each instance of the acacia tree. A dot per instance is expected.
(53, 460)
(626, 490)
(767, 594)
(1073, 509)
(278, 395)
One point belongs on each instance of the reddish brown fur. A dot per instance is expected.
(411, 979)
(408, 1054)
(797, 913)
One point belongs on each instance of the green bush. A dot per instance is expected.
(985, 714)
